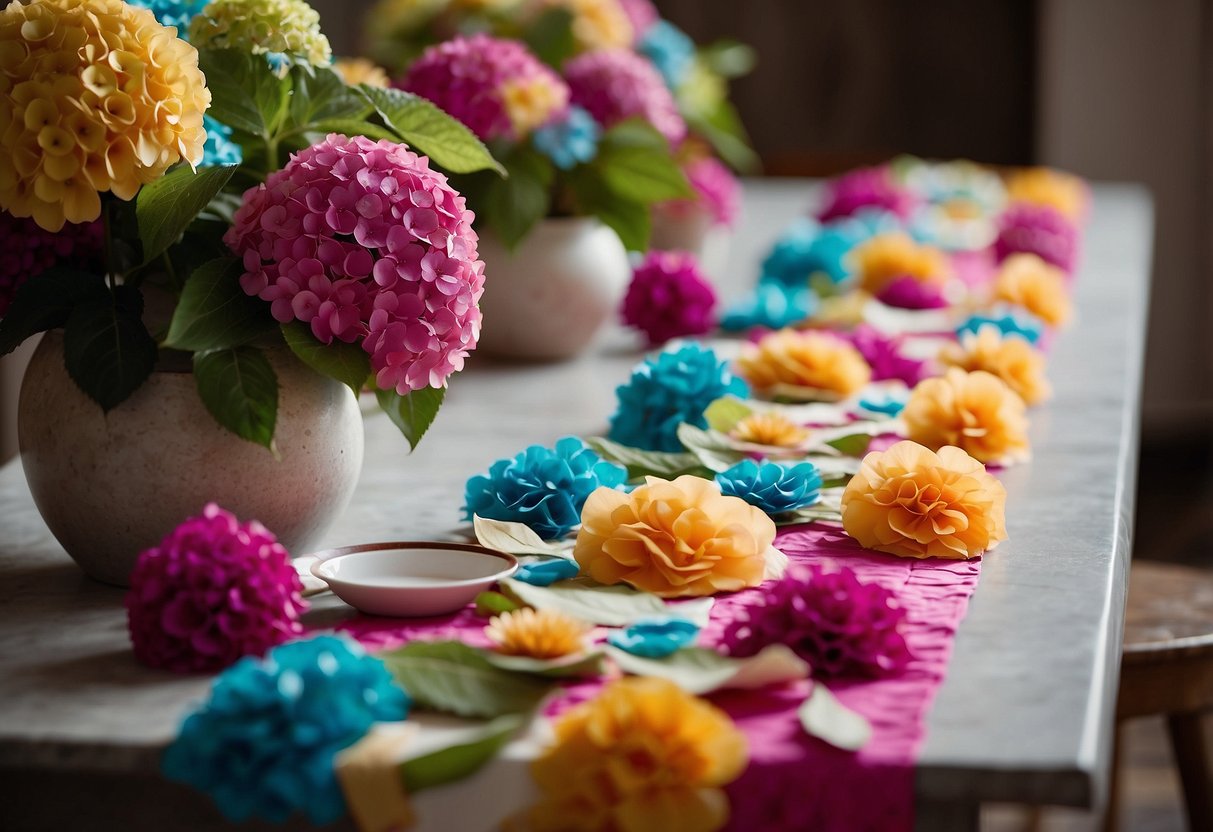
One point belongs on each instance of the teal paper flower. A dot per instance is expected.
(177, 13)
(544, 489)
(673, 387)
(569, 141)
(670, 49)
(655, 637)
(882, 403)
(547, 571)
(263, 744)
(219, 148)
(771, 305)
(773, 487)
(1008, 322)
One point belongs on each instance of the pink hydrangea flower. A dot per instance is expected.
(494, 86)
(1040, 230)
(669, 297)
(214, 590)
(27, 250)
(616, 84)
(883, 354)
(364, 243)
(642, 14)
(905, 292)
(715, 187)
(865, 188)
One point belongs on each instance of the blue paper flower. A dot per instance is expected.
(1008, 322)
(673, 387)
(570, 141)
(770, 305)
(655, 637)
(177, 13)
(263, 744)
(219, 148)
(547, 572)
(771, 486)
(544, 489)
(670, 49)
(883, 403)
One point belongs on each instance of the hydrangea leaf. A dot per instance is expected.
(514, 204)
(106, 348)
(729, 58)
(550, 36)
(240, 389)
(429, 130)
(165, 207)
(320, 95)
(347, 127)
(413, 413)
(635, 163)
(629, 218)
(721, 126)
(610, 606)
(700, 670)
(515, 538)
(823, 716)
(214, 313)
(46, 302)
(642, 463)
(347, 363)
(246, 94)
(460, 759)
(450, 676)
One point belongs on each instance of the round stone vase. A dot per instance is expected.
(548, 297)
(692, 229)
(110, 485)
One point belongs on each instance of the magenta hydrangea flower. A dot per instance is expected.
(1037, 229)
(364, 243)
(839, 624)
(883, 354)
(715, 187)
(213, 591)
(27, 250)
(865, 188)
(617, 84)
(642, 14)
(493, 85)
(905, 292)
(669, 297)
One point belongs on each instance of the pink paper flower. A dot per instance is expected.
(616, 84)
(906, 292)
(669, 297)
(364, 243)
(883, 354)
(213, 591)
(865, 188)
(494, 86)
(26, 250)
(1040, 230)
(716, 189)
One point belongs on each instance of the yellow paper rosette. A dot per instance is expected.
(769, 428)
(806, 359)
(1044, 186)
(1010, 357)
(893, 255)
(1029, 282)
(538, 634)
(975, 411)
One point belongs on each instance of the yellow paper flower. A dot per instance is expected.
(642, 756)
(1045, 186)
(895, 254)
(769, 428)
(282, 27)
(598, 24)
(911, 502)
(804, 359)
(1028, 281)
(356, 71)
(95, 96)
(975, 411)
(673, 538)
(540, 634)
(1011, 358)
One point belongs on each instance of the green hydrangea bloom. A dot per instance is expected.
(287, 29)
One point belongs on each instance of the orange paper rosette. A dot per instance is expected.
(912, 502)
(975, 411)
(769, 428)
(1044, 186)
(539, 634)
(804, 359)
(1027, 281)
(895, 254)
(1010, 357)
(679, 538)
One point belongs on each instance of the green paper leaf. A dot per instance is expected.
(489, 604)
(610, 606)
(321, 94)
(714, 450)
(823, 716)
(45, 301)
(515, 538)
(165, 207)
(214, 313)
(511, 206)
(635, 163)
(246, 94)
(347, 363)
(413, 413)
(855, 444)
(641, 463)
(429, 130)
(724, 413)
(460, 760)
(240, 389)
(809, 514)
(699, 670)
(581, 665)
(450, 676)
(106, 348)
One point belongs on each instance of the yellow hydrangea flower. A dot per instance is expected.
(356, 71)
(769, 428)
(1011, 358)
(540, 634)
(283, 27)
(598, 24)
(895, 254)
(804, 359)
(95, 96)
(1026, 280)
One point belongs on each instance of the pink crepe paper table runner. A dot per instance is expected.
(795, 781)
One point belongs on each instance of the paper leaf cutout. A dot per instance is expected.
(823, 716)
(460, 760)
(641, 463)
(699, 670)
(712, 448)
(610, 606)
(776, 564)
(450, 676)
(724, 413)
(577, 665)
(489, 604)
(515, 538)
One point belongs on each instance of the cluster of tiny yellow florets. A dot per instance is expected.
(282, 27)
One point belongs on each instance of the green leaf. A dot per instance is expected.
(855, 444)
(823, 716)
(610, 606)
(629, 218)
(513, 205)
(45, 301)
(713, 449)
(347, 363)
(724, 413)
(514, 538)
(581, 665)
(635, 163)
(641, 463)
(413, 413)
(429, 130)
(723, 130)
(165, 207)
(107, 349)
(239, 388)
(809, 514)
(699, 670)
(246, 94)
(350, 127)
(489, 604)
(450, 676)
(729, 58)
(321, 95)
(550, 36)
(214, 313)
(460, 760)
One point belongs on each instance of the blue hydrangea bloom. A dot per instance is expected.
(263, 744)
(670, 49)
(771, 486)
(570, 141)
(883, 403)
(544, 489)
(1008, 322)
(547, 572)
(177, 13)
(219, 148)
(770, 305)
(668, 389)
(655, 637)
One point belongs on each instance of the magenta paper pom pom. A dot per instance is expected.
(1040, 230)
(716, 189)
(840, 625)
(865, 188)
(26, 250)
(363, 242)
(905, 292)
(213, 591)
(669, 297)
(616, 84)
(883, 354)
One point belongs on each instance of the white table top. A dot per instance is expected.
(1025, 713)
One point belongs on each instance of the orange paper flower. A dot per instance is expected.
(975, 411)
(804, 359)
(911, 502)
(1010, 357)
(895, 254)
(1045, 186)
(643, 756)
(1026, 280)
(673, 538)
(769, 428)
(540, 634)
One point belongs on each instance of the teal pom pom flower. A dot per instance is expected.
(773, 487)
(770, 305)
(1008, 322)
(673, 387)
(569, 140)
(542, 488)
(263, 744)
(655, 637)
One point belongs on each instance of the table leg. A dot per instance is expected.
(1192, 760)
(946, 816)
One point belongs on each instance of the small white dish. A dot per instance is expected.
(411, 579)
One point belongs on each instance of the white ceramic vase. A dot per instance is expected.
(110, 485)
(692, 229)
(549, 297)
